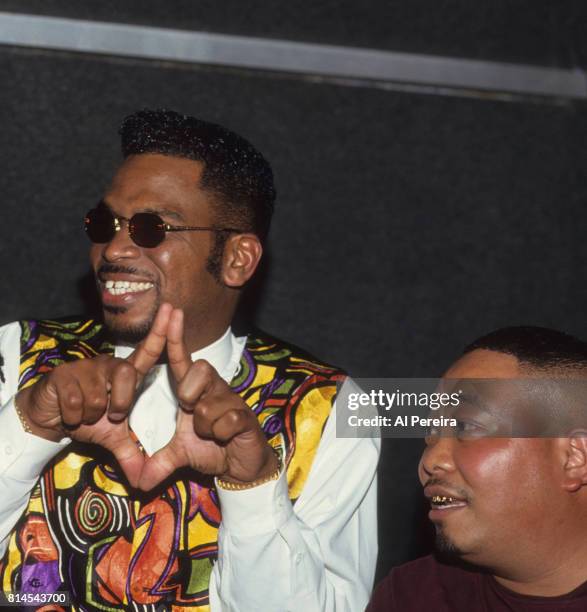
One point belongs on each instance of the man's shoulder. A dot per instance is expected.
(49, 342)
(66, 322)
(31, 347)
(426, 583)
(265, 348)
(70, 329)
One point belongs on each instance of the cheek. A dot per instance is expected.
(178, 266)
(182, 250)
(96, 254)
(162, 258)
(170, 258)
(488, 467)
(421, 473)
(504, 472)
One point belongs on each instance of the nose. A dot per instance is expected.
(437, 458)
(121, 246)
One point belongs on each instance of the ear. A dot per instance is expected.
(241, 257)
(575, 465)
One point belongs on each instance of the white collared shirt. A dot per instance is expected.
(318, 556)
(224, 355)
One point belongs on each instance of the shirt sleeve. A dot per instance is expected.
(316, 556)
(22, 455)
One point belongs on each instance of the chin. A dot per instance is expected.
(463, 548)
(446, 546)
(125, 329)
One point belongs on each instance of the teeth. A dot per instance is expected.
(120, 287)
(441, 499)
(445, 501)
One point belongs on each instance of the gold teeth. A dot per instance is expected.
(441, 499)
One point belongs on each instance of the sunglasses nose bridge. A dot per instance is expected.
(121, 245)
(117, 229)
(116, 223)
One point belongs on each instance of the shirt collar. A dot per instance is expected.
(219, 353)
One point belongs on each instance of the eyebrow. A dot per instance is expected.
(474, 400)
(162, 212)
(479, 403)
(469, 398)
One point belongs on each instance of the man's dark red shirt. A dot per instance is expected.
(428, 585)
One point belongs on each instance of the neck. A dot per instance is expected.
(197, 339)
(200, 331)
(553, 575)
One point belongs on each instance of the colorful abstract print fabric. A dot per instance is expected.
(113, 548)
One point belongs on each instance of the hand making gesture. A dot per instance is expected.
(217, 433)
(90, 400)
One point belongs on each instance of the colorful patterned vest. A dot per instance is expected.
(85, 532)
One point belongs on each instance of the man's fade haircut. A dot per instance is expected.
(236, 175)
(538, 348)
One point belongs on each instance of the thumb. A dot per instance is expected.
(159, 466)
(130, 459)
(147, 353)
(177, 353)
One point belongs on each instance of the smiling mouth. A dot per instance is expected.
(442, 502)
(122, 287)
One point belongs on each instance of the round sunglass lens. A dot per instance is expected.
(147, 229)
(99, 225)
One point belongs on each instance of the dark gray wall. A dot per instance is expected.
(406, 224)
(545, 32)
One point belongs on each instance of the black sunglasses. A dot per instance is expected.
(145, 229)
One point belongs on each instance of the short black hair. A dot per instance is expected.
(234, 172)
(535, 347)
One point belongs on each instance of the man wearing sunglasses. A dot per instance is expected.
(180, 465)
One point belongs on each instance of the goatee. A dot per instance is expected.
(126, 335)
(445, 546)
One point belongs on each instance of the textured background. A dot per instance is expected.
(544, 32)
(406, 224)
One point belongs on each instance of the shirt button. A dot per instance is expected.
(298, 558)
(149, 433)
(280, 503)
(8, 449)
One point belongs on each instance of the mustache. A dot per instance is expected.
(106, 268)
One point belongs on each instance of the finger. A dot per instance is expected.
(123, 383)
(145, 356)
(179, 358)
(71, 403)
(130, 459)
(95, 400)
(201, 379)
(159, 466)
(203, 418)
(233, 423)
